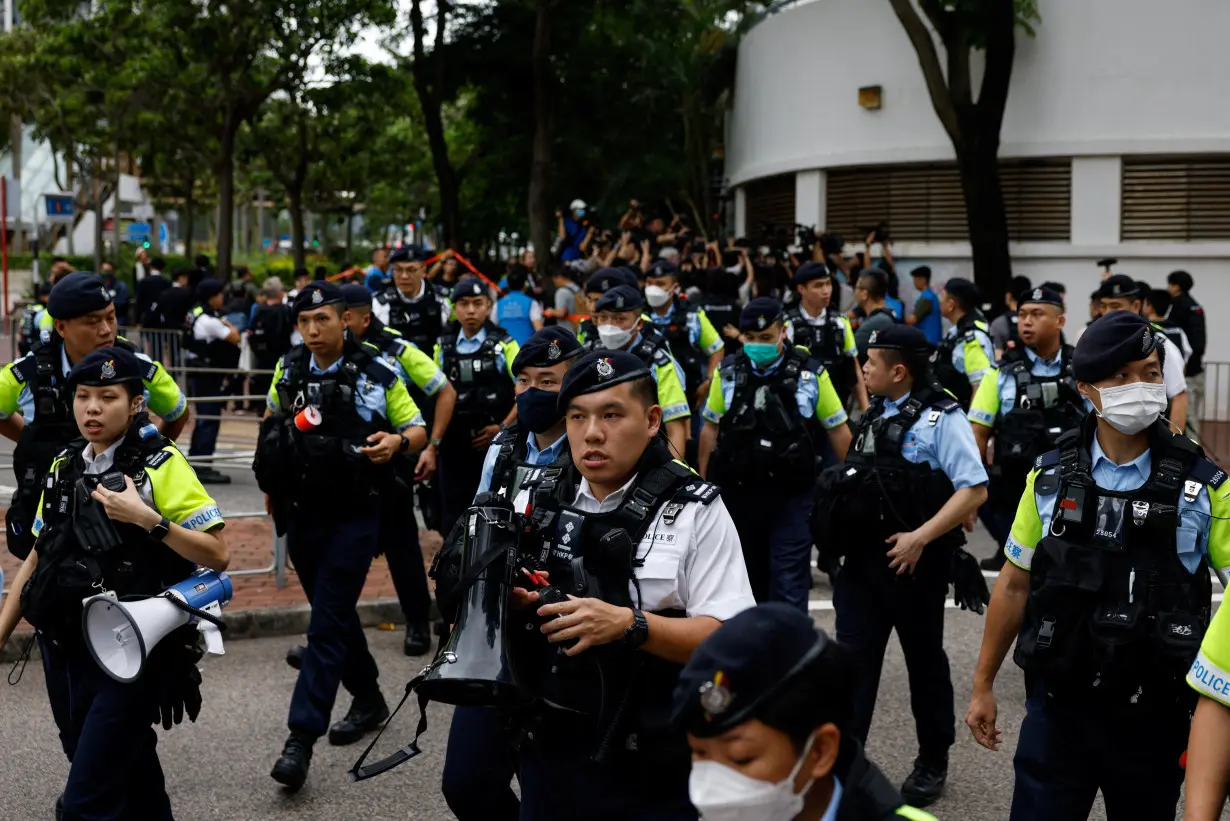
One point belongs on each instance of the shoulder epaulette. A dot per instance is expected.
(729, 361)
(25, 369)
(698, 491)
(661, 357)
(1046, 460)
(946, 405)
(151, 367)
(158, 458)
(1207, 473)
(379, 372)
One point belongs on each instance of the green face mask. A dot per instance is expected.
(761, 353)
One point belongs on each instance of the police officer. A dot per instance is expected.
(477, 356)
(163, 524)
(694, 342)
(766, 701)
(1107, 594)
(36, 405)
(965, 354)
(602, 281)
(813, 323)
(1208, 746)
(1188, 315)
(480, 760)
(1025, 404)
(210, 342)
(894, 512)
(410, 305)
(337, 416)
(1005, 328)
(622, 327)
(764, 439)
(30, 316)
(663, 568)
(269, 333)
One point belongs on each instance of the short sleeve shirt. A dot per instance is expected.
(948, 445)
(371, 400)
(815, 397)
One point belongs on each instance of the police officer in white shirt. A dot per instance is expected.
(651, 565)
(212, 343)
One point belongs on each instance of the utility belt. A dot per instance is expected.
(761, 461)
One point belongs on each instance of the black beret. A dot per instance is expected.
(738, 671)
(1042, 296)
(962, 289)
(662, 268)
(208, 287)
(759, 314)
(1119, 285)
(810, 271)
(106, 366)
(620, 298)
(78, 294)
(316, 294)
(356, 295)
(547, 347)
(408, 253)
(605, 279)
(470, 286)
(597, 371)
(899, 337)
(1110, 342)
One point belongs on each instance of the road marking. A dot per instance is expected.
(816, 605)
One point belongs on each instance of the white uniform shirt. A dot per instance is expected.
(1172, 369)
(209, 328)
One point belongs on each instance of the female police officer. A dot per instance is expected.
(166, 524)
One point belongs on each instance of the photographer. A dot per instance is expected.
(575, 232)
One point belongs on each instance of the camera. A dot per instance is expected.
(879, 233)
(832, 244)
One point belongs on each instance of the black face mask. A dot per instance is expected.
(538, 410)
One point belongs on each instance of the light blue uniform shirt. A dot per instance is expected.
(369, 395)
(1194, 517)
(533, 456)
(830, 814)
(466, 345)
(25, 400)
(948, 445)
(806, 394)
(1006, 386)
(693, 324)
(958, 352)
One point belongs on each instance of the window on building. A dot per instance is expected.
(1184, 199)
(923, 202)
(770, 207)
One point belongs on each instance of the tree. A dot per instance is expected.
(539, 204)
(973, 125)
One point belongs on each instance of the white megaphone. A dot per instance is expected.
(121, 635)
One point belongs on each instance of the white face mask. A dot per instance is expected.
(722, 793)
(1132, 407)
(613, 337)
(656, 296)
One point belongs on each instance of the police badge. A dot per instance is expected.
(715, 697)
(317, 297)
(761, 322)
(605, 369)
(871, 340)
(553, 350)
(108, 369)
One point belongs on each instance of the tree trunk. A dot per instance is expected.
(98, 215)
(226, 194)
(295, 195)
(349, 234)
(430, 103)
(188, 222)
(115, 205)
(988, 221)
(540, 164)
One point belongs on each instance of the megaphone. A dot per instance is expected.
(121, 635)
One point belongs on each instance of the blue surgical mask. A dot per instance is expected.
(762, 353)
(538, 410)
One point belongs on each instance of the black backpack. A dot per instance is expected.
(269, 334)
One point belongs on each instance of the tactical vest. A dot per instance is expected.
(69, 569)
(678, 339)
(764, 443)
(29, 328)
(485, 392)
(1044, 408)
(215, 352)
(1172, 332)
(512, 472)
(269, 334)
(588, 331)
(878, 492)
(652, 349)
(391, 344)
(866, 793)
(419, 322)
(825, 342)
(1111, 608)
(949, 377)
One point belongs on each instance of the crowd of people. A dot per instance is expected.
(649, 445)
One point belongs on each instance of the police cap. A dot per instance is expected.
(810, 271)
(1111, 342)
(207, 288)
(899, 337)
(1041, 295)
(468, 287)
(662, 268)
(759, 314)
(546, 348)
(106, 366)
(78, 294)
(751, 666)
(315, 295)
(620, 298)
(1119, 285)
(597, 371)
(356, 295)
(408, 253)
(605, 279)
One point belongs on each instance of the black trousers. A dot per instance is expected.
(399, 540)
(461, 468)
(479, 765)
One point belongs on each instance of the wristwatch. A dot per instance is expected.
(404, 446)
(435, 441)
(159, 532)
(636, 635)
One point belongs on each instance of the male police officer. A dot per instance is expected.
(211, 342)
(36, 405)
(602, 281)
(965, 355)
(1208, 746)
(661, 551)
(1026, 404)
(763, 441)
(622, 327)
(410, 305)
(30, 316)
(895, 511)
(337, 416)
(1107, 584)
(481, 761)
(1187, 314)
(694, 342)
(813, 323)
(766, 704)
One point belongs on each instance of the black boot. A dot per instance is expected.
(925, 784)
(292, 768)
(210, 476)
(418, 639)
(364, 716)
(294, 656)
(994, 562)
(60, 807)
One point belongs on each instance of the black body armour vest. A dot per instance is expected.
(652, 349)
(512, 471)
(825, 342)
(216, 353)
(948, 376)
(485, 391)
(878, 492)
(1112, 611)
(29, 329)
(389, 343)
(1045, 407)
(72, 567)
(679, 341)
(763, 441)
(419, 322)
(269, 334)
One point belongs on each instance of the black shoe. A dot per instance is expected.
(292, 768)
(60, 807)
(209, 476)
(418, 639)
(364, 717)
(925, 784)
(294, 656)
(995, 562)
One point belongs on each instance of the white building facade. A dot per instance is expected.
(1116, 142)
